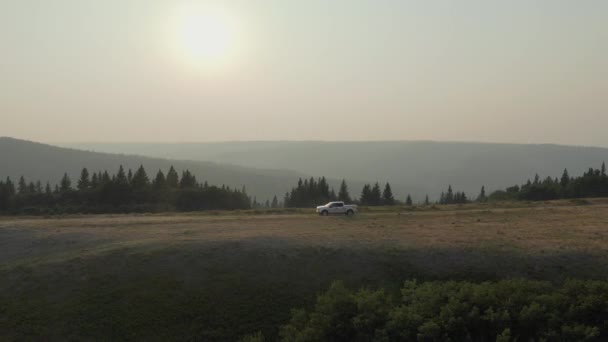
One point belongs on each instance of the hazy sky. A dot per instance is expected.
(119, 70)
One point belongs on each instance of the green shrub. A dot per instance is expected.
(508, 310)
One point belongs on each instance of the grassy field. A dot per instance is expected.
(221, 275)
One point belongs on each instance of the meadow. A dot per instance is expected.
(223, 275)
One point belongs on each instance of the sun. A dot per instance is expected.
(206, 37)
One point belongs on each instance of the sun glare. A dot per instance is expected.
(206, 37)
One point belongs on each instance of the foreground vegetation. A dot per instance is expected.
(219, 276)
(508, 310)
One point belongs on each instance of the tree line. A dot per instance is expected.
(312, 192)
(593, 183)
(101, 192)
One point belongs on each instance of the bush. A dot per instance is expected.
(507, 310)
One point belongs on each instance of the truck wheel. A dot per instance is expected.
(324, 213)
(349, 212)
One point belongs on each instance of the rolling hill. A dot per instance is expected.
(36, 161)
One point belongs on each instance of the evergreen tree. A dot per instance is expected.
(172, 178)
(286, 200)
(449, 197)
(426, 200)
(387, 195)
(188, 180)
(275, 202)
(159, 181)
(31, 188)
(603, 172)
(408, 201)
(332, 195)
(121, 177)
(10, 186)
(565, 178)
(84, 181)
(376, 195)
(140, 180)
(22, 187)
(47, 189)
(94, 181)
(105, 178)
(343, 194)
(267, 204)
(482, 195)
(65, 184)
(129, 177)
(39, 189)
(366, 193)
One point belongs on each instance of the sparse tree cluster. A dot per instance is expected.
(450, 197)
(100, 192)
(373, 196)
(309, 193)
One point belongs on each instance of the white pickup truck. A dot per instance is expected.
(336, 208)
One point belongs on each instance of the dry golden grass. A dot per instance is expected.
(219, 275)
(532, 229)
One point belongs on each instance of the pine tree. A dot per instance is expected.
(343, 194)
(105, 178)
(565, 178)
(172, 178)
(39, 189)
(332, 195)
(365, 198)
(129, 177)
(408, 201)
(84, 182)
(387, 195)
(159, 181)
(482, 195)
(47, 189)
(10, 186)
(267, 204)
(603, 172)
(449, 197)
(65, 184)
(376, 195)
(121, 177)
(287, 201)
(22, 187)
(94, 181)
(140, 180)
(188, 180)
(275, 202)
(426, 200)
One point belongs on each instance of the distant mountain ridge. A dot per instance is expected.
(36, 161)
(416, 167)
